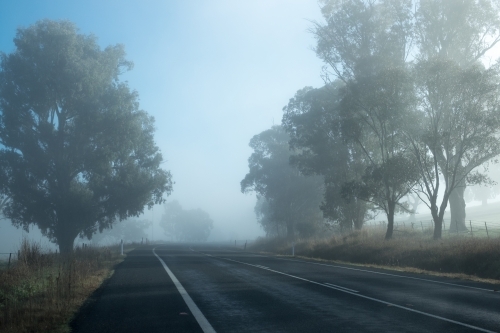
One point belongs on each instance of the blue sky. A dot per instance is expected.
(212, 73)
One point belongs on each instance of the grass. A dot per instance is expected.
(41, 291)
(461, 257)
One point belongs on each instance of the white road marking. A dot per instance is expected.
(369, 298)
(198, 315)
(388, 274)
(334, 285)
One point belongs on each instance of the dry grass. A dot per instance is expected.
(452, 256)
(42, 290)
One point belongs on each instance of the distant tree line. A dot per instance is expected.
(192, 225)
(410, 108)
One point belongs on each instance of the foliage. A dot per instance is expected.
(455, 257)
(460, 124)
(186, 225)
(290, 199)
(366, 44)
(313, 120)
(42, 290)
(375, 110)
(455, 34)
(130, 230)
(77, 150)
(440, 107)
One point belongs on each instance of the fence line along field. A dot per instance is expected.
(481, 221)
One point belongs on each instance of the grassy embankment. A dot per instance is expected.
(40, 292)
(461, 257)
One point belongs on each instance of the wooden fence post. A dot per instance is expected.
(10, 255)
(422, 226)
(486, 226)
(470, 223)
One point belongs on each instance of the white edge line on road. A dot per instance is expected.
(370, 298)
(198, 315)
(334, 285)
(381, 273)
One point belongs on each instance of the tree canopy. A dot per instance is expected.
(288, 199)
(77, 151)
(416, 90)
(130, 230)
(313, 120)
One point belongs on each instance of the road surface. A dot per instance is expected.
(203, 288)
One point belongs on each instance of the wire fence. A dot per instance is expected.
(471, 228)
(8, 258)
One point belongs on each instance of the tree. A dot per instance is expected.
(3, 202)
(264, 211)
(483, 193)
(459, 129)
(312, 119)
(186, 225)
(359, 33)
(413, 201)
(375, 110)
(292, 199)
(459, 33)
(130, 230)
(366, 44)
(77, 151)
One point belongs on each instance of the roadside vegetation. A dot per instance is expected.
(408, 116)
(455, 256)
(41, 291)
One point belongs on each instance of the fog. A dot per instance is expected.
(212, 73)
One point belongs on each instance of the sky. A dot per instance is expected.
(212, 73)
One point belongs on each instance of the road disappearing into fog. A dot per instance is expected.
(208, 288)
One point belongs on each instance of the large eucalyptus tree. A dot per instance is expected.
(76, 150)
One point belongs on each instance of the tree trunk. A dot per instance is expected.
(438, 219)
(290, 233)
(438, 228)
(65, 239)
(457, 208)
(359, 217)
(390, 220)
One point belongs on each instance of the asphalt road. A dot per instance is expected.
(202, 288)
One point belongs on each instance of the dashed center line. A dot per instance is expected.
(334, 285)
(356, 293)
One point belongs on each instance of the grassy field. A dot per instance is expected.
(40, 292)
(462, 257)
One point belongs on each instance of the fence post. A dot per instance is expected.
(412, 225)
(422, 226)
(486, 226)
(10, 255)
(121, 247)
(470, 223)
